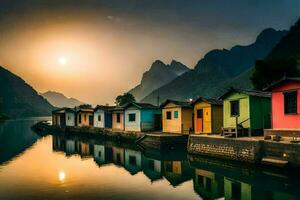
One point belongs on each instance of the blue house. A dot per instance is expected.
(103, 116)
(142, 117)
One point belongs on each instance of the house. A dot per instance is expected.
(118, 156)
(152, 168)
(208, 116)
(84, 116)
(141, 117)
(177, 117)
(177, 171)
(103, 116)
(118, 122)
(245, 112)
(286, 106)
(63, 117)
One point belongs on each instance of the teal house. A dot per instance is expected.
(141, 117)
(246, 112)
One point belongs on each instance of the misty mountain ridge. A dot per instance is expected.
(158, 75)
(218, 70)
(59, 100)
(18, 99)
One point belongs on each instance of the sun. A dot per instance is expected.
(62, 60)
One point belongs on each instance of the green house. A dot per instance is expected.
(246, 112)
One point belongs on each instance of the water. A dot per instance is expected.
(57, 167)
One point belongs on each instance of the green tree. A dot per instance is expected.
(125, 98)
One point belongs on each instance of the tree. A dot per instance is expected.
(125, 98)
(271, 70)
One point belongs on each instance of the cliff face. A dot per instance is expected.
(59, 100)
(18, 99)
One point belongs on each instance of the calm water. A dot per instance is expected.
(56, 167)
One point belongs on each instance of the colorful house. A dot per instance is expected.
(245, 112)
(118, 122)
(63, 117)
(84, 116)
(208, 116)
(177, 117)
(286, 104)
(141, 117)
(133, 161)
(103, 116)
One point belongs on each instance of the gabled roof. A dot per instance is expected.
(63, 110)
(140, 105)
(284, 79)
(182, 104)
(254, 93)
(207, 100)
(105, 108)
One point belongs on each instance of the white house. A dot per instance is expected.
(63, 117)
(99, 153)
(103, 116)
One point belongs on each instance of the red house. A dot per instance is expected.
(286, 104)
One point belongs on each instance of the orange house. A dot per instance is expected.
(84, 116)
(208, 116)
(118, 122)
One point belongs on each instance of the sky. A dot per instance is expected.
(94, 50)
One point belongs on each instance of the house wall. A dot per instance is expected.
(97, 123)
(115, 124)
(70, 119)
(84, 118)
(217, 118)
(173, 125)
(136, 154)
(230, 121)
(148, 119)
(187, 120)
(279, 119)
(260, 111)
(202, 125)
(118, 153)
(134, 125)
(99, 153)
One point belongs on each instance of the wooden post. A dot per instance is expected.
(236, 126)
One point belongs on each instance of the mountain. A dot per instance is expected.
(158, 75)
(59, 100)
(18, 99)
(218, 70)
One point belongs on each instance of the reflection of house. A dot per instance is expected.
(70, 147)
(177, 117)
(237, 190)
(208, 116)
(141, 117)
(118, 156)
(103, 116)
(208, 184)
(84, 116)
(58, 143)
(118, 119)
(133, 161)
(102, 154)
(85, 150)
(177, 172)
(63, 117)
(249, 109)
(286, 105)
(152, 168)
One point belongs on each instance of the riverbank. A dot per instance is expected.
(253, 150)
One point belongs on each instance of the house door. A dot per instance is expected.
(199, 121)
(207, 120)
(91, 120)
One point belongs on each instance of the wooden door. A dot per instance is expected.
(199, 121)
(207, 120)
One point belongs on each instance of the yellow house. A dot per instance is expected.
(177, 117)
(208, 116)
(84, 116)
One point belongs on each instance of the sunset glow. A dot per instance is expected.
(62, 60)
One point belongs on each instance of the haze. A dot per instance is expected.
(94, 50)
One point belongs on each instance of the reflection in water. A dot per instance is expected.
(59, 167)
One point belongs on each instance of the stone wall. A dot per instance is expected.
(233, 149)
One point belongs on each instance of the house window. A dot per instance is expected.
(132, 160)
(79, 118)
(131, 117)
(99, 118)
(84, 117)
(169, 114)
(290, 102)
(176, 114)
(235, 108)
(68, 117)
(200, 181)
(200, 113)
(118, 117)
(99, 154)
